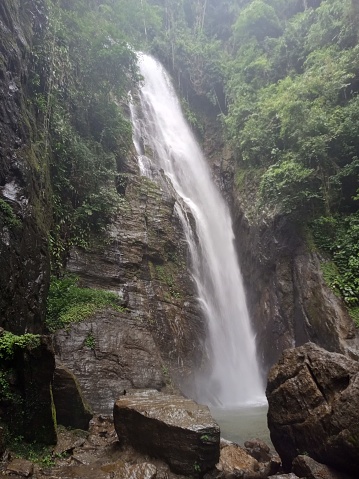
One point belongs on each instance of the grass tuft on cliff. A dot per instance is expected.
(68, 303)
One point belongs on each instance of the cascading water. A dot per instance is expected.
(233, 377)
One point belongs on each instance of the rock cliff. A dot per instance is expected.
(24, 188)
(25, 392)
(287, 296)
(144, 260)
(143, 256)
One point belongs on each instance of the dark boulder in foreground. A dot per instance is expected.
(313, 398)
(304, 466)
(177, 430)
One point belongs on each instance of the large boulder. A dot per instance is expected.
(169, 427)
(313, 398)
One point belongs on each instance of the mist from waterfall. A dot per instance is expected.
(231, 376)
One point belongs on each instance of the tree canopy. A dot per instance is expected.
(283, 75)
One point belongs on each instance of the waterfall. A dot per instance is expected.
(232, 377)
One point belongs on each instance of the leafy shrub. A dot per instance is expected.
(354, 314)
(34, 452)
(292, 91)
(69, 303)
(288, 186)
(7, 215)
(339, 237)
(9, 342)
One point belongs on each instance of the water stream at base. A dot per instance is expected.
(232, 377)
(243, 423)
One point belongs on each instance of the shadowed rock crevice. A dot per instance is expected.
(71, 408)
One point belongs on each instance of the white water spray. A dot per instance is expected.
(232, 378)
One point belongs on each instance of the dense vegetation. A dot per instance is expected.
(82, 69)
(283, 78)
(293, 115)
(282, 75)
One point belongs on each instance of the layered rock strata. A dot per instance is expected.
(289, 301)
(159, 334)
(123, 356)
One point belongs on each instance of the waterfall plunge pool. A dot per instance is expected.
(243, 423)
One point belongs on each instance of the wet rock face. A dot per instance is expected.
(172, 428)
(24, 263)
(143, 260)
(122, 355)
(254, 461)
(313, 398)
(288, 299)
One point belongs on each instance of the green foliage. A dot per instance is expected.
(287, 188)
(7, 215)
(339, 236)
(330, 273)
(167, 275)
(82, 69)
(292, 87)
(90, 341)
(354, 314)
(195, 58)
(9, 342)
(191, 117)
(34, 452)
(84, 193)
(69, 303)
(257, 20)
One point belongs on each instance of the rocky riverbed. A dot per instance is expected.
(98, 454)
(166, 436)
